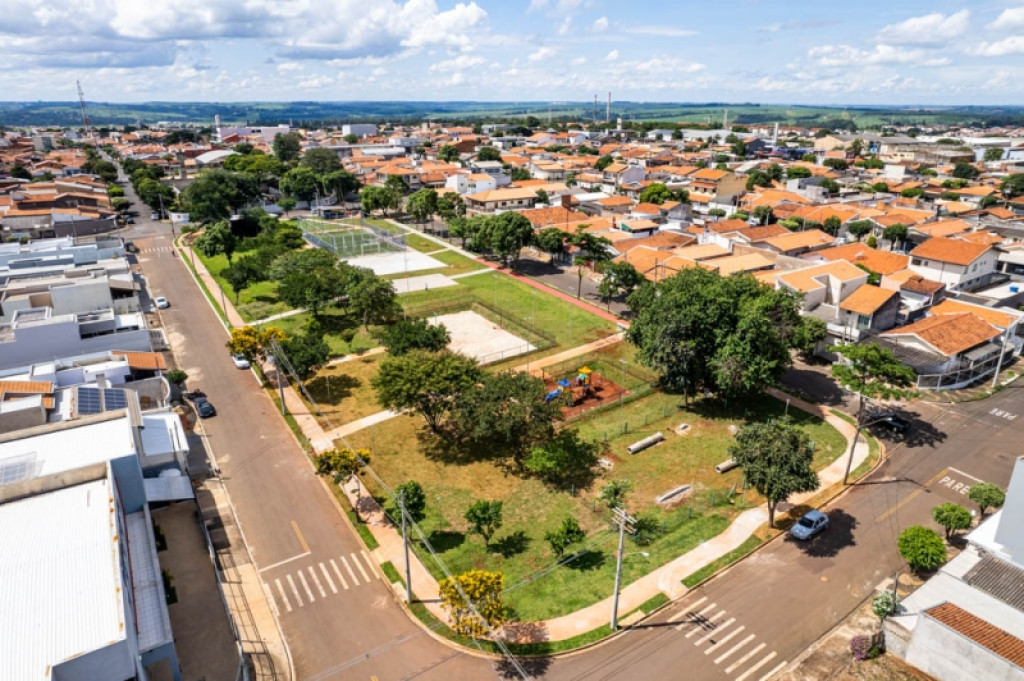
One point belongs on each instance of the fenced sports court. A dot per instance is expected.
(351, 237)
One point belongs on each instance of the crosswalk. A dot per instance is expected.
(321, 580)
(156, 249)
(728, 644)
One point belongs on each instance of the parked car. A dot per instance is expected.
(204, 408)
(894, 422)
(154, 216)
(130, 247)
(811, 524)
(129, 220)
(162, 303)
(240, 361)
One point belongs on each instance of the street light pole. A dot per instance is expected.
(405, 540)
(625, 523)
(1002, 351)
(853, 445)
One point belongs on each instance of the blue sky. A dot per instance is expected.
(796, 51)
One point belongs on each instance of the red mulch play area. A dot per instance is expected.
(579, 398)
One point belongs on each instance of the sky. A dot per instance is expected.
(795, 51)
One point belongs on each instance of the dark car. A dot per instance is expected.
(130, 247)
(204, 408)
(894, 423)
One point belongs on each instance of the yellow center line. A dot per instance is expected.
(912, 495)
(302, 540)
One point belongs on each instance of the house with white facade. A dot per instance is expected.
(960, 265)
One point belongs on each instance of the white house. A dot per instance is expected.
(960, 265)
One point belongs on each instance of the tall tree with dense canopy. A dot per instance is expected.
(1012, 186)
(287, 146)
(592, 249)
(379, 198)
(254, 343)
(407, 335)
(428, 382)
(507, 234)
(986, 496)
(447, 153)
(564, 459)
(776, 461)
(321, 160)
(873, 371)
(965, 171)
(656, 193)
(372, 298)
(620, 278)
(300, 183)
(921, 547)
(488, 154)
(895, 234)
(422, 205)
(952, 517)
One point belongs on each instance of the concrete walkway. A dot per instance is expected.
(275, 317)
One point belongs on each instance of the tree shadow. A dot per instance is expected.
(921, 433)
(535, 667)
(833, 539)
(337, 387)
(589, 560)
(446, 540)
(816, 384)
(511, 545)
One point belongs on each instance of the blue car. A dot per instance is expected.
(811, 524)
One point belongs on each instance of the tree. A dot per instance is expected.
(415, 500)
(120, 203)
(895, 233)
(484, 518)
(603, 162)
(965, 171)
(373, 298)
(428, 382)
(567, 534)
(312, 289)
(592, 249)
(986, 495)
(542, 197)
(252, 342)
(1012, 186)
(287, 146)
(341, 183)
(646, 529)
(620, 278)
(518, 174)
(448, 153)
(321, 160)
(300, 183)
(308, 351)
(701, 331)
(884, 604)
(379, 198)
(176, 377)
(450, 206)
(717, 212)
(301, 260)
(564, 459)
(912, 193)
(952, 517)
(859, 228)
(483, 591)
(406, 335)
(656, 193)
(351, 138)
(242, 274)
(921, 547)
(836, 164)
(795, 172)
(21, 172)
(808, 334)
(507, 413)
(776, 460)
(758, 178)
(397, 184)
(422, 205)
(809, 158)
(880, 187)
(217, 239)
(155, 194)
(341, 463)
(507, 234)
(763, 214)
(856, 147)
(488, 154)
(832, 225)
(552, 240)
(872, 371)
(614, 493)
(217, 194)
(829, 185)
(286, 204)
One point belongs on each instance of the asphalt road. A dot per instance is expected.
(771, 607)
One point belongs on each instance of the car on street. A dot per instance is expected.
(894, 423)
(809, 525)
(129, 220)
(240, 361)
(204, 408)
(154, 216)
(162, 303)
(130, 247)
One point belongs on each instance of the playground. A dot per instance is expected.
(582, 392)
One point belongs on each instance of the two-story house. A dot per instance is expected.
(960, 265)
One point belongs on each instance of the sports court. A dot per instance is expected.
(396, 263)
(475, 336)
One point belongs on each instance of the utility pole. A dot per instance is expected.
(626, 524)
(405, 541)
(1002, 351)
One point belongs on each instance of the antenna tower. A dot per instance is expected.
(85, 114)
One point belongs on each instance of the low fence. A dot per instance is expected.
(961, 378)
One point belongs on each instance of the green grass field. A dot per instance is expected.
(256, 302)
(343, 390)
(337, 325)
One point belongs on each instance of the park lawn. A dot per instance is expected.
(336, 323)
(454, 264)
(421, 243)
(256, 302)
(343, 390)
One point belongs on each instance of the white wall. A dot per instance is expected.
(81, 296)
(945, 654)
(1009, 532)
(955, 275)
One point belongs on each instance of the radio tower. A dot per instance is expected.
(85, 114)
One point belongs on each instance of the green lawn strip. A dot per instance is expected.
(391, 572)
(256, 302)
(337, 325)
(421, 243)
(206, 291)
(728, 559)
(343, 390)
(653, 603)
(454, 264)
(844, 416)
(867, 464)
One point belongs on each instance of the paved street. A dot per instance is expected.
(771, 607)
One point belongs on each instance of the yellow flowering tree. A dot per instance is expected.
(484, 590)
(253, 343)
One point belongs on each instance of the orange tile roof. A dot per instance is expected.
(616, 200)
(810, 278)
(880, 262)
(658, 241)
(950, 334)
(709, 174)
(555, 215)
(867, 299)
(731, 264)
(989, 238)
(762, 233)
(954, 251)
(147, 361)
(996, 317)
(703, 252)
(647, 208)
(10, 389)
(806, 239)
(942, 227)
(988, 636)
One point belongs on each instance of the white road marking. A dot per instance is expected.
(737, 663)
(966, 475)
(330, 582)
(338, 572)
(280, 590)
(305, 585)
(369, 563)
(732, 650)
(698, 617)
(348, 567)
(316, 580)
(709, 623)
(774, 671)
(683, 613)
(355, 559)
(282, 562)
(768, 658)
(291, 583)
(717, 645)
(714, 631)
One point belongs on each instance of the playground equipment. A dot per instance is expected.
(563, 387)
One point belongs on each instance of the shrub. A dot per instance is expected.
(864, 648)
(922, 548)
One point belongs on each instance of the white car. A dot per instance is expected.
(161, 302)
(240, 361)
(154, 216)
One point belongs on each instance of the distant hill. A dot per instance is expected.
(334, 113)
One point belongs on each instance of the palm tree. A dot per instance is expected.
(592, 249)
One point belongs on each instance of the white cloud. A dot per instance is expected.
(930, 29)
(462, 61)
(536, 5)
(289, 66)
(1010, 18)
(565, 27)
(1013, 44)
(847, 56)
(542, 53)
(612, 56)
(579, 61)
(600, 25)
(662, 31)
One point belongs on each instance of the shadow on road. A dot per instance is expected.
(536, 667)
(920, 434)
(836, 537)
(815, 383)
